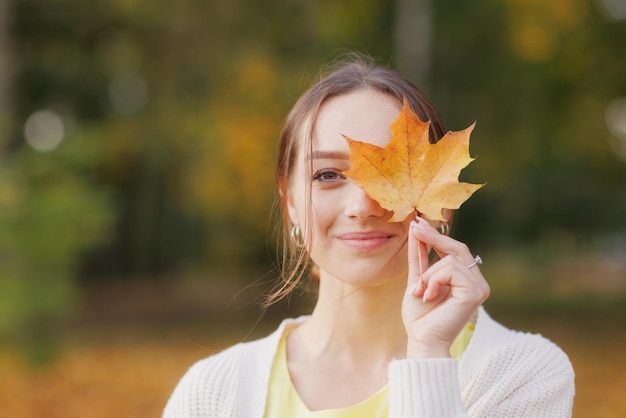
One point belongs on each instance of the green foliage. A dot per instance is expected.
(538, 78)
(184, 114)
(48, 214)
(172, 112)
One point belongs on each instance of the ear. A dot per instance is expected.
(286, 196)
(448, 215)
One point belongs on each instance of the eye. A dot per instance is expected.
(328, 175)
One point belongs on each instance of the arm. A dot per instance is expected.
(441, 298)
(503, 373)
(424, 388)
(514, 374)
(439, 301)
(525, 376)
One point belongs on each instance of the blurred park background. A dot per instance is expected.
(137, 143)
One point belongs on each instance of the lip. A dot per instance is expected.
(367, 240)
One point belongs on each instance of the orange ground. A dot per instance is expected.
(133, 378)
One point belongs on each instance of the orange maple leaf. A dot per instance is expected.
(411, 174)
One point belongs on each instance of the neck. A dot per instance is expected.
(347, 318)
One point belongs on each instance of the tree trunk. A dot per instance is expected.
(5, 74)
(412, 38)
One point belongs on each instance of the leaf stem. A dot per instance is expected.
(419, 257)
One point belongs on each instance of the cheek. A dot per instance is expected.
(322, 214)
(317, 215)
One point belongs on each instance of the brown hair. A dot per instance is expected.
(354, 72)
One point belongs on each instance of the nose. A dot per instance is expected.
(361, 206)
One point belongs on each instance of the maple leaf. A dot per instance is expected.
(411, 174)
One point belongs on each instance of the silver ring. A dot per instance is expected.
(477, 261)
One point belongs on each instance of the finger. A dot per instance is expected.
(440, 275)
(418, 262)
(442, 244)
(437, 289)
(451, 272)
(447, 263)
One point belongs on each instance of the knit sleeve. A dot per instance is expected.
(502, 374)
(528, 377)
(506, 373)
(424, 388)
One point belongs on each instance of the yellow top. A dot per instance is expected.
(284, 401)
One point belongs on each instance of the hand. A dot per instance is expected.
(436, 307)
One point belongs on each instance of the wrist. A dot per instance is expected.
(420, 350)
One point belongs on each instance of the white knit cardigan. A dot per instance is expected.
(503, 373)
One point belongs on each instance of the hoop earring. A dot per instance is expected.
(444, 228)
(296, 236)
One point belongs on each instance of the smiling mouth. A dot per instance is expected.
(366, 241)
(365, 235)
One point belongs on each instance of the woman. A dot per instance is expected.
(390, 335)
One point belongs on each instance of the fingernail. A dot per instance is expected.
(418, 225)
(425, 297)
(423, 224)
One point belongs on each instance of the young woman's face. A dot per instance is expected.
(348, 233)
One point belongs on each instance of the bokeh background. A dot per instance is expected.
(137, 143)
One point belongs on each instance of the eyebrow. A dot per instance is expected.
(329, 155)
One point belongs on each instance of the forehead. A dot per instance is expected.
(364, 115)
